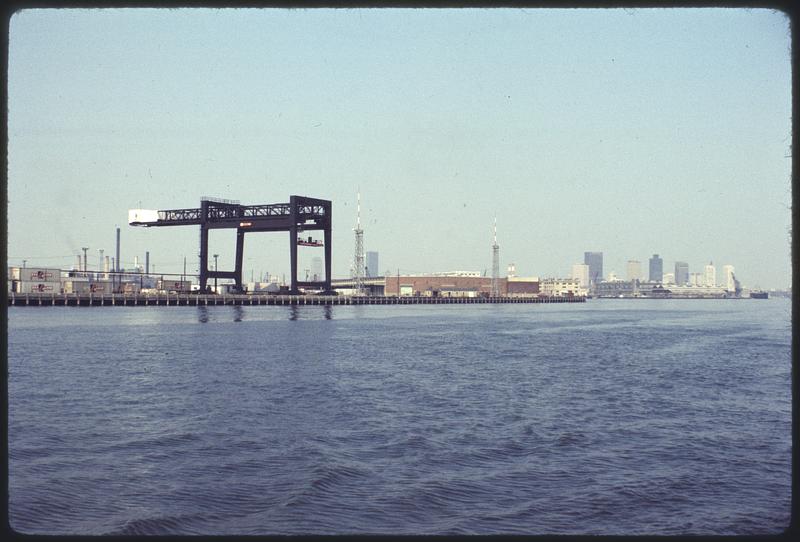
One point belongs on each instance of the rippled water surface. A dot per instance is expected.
(607, 417)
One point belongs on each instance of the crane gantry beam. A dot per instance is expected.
(301, 213)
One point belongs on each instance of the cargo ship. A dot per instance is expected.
(759, 294)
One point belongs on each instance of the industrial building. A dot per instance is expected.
(635, 288)
(562, 287)
(442, 285)
(453, 284)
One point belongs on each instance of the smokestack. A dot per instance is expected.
(80, 263)
(105, 266)
(147, 262)
(136, 262)
(117, 268)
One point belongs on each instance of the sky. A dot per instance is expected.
(626, 131)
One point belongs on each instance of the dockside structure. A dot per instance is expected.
(301, 213)
(140, 299)
(466, 285)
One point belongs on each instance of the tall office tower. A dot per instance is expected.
(316, 268)
(634, 270)
(580, 272)
(512, 270)
(656, 269)
(372, 264)
(681, 273)
(595, 262)
(711, 274)
(730, 281)
(696, 279)
(668, 278)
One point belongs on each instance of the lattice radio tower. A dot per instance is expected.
(358, 255)
(495, 264)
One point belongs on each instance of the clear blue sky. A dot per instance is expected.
(630, 132)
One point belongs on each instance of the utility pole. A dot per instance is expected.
(183, 277)
(100, 265)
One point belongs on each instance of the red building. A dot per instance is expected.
(458, 286)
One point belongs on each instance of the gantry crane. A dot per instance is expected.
(300, 214)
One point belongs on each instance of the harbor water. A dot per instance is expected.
(605, 417)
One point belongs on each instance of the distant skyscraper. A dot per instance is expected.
(681, 273)
(372, 264)
(580, 272)
(595, 262)
(711, 274)
(730, 281)
(634, 270)
(656, 269)
(696, 279)
(668, 278)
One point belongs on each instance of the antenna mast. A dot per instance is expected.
(495, 264)
(358, 257)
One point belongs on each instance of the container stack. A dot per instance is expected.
(27, 280)
(181, 286)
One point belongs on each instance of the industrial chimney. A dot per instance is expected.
(118, 266)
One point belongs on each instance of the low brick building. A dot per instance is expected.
(461, 286)
(522, 287)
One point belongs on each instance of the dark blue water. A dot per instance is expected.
(609, 417)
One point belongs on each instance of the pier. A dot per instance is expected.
(144, 300)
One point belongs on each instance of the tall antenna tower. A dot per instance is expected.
(495, 264)
(358, 255)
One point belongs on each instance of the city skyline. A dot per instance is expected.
(443, 118)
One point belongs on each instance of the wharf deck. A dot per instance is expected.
(143, 300)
